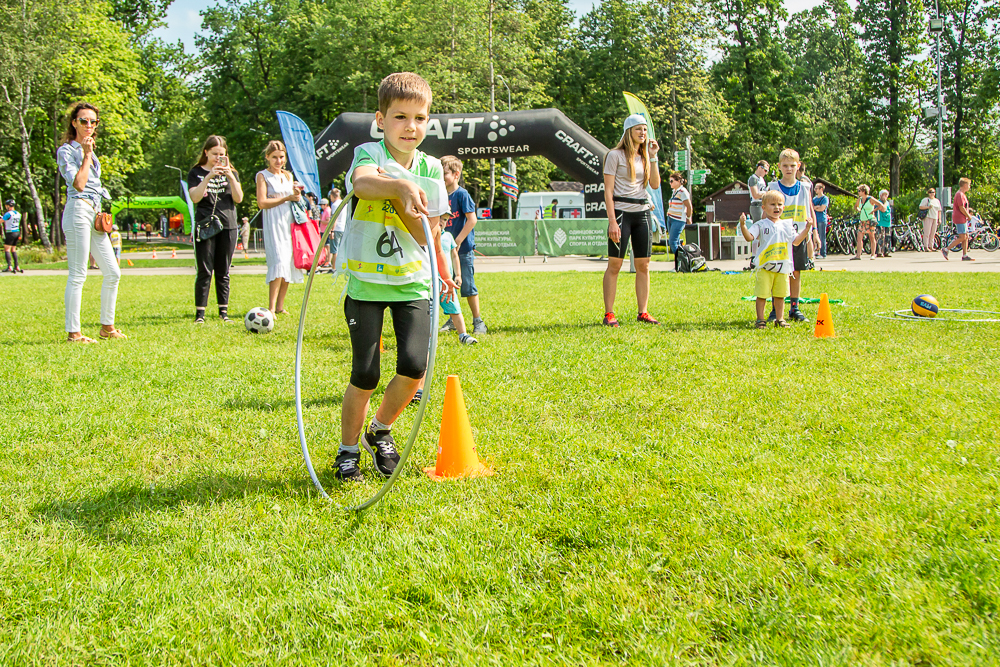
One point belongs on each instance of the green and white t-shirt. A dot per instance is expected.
(383, 260)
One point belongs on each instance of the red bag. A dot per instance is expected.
(305, 238)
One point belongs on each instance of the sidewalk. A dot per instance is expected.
(900, 262)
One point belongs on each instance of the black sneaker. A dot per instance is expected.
(797, 315)
(346, 465)
(772, 317)
(199, 319)
(383, 450)
(416, 397)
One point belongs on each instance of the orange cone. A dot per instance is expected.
(129, 261)
(381, 347)
(824, 319)
(173, 254)
(245, 256)
(456, 452)
(154, 254)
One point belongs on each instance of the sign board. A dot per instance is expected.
(484, 213)
(680, 160)
(558, 237)
(511, 238)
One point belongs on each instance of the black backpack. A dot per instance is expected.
(688, 259)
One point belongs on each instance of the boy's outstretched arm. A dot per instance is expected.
(804, 234)
(406, 197)
(743, 228)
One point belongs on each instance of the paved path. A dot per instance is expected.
(905, 262)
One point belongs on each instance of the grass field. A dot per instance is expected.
(161, 262)
(696, 493)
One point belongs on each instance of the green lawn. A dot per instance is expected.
(696, 493)
(161, 262)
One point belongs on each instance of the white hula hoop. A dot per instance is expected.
(429, 375)
(905, 314)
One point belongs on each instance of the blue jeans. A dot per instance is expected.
(675, 227)
(821, 230)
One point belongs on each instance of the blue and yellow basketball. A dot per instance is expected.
(925, 306)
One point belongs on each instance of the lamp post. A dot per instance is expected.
(936, 27)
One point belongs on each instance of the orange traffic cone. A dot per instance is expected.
(173, 254)
(245, 256)
(154, 254)
(129, 261)
(824, 319)
(456, 452)
(381, 347)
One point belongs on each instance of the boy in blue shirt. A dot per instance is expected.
(463, 221)
(382, 252)
(11, 235)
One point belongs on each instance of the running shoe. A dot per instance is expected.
(772, 317)
(20, 270)
(200, 319)
(466, 339)
(647, 318)
(478, 326)
(417, 396)
(610, 320)
(797, 315)
(448, 326)
(966, 258)
(858, 257)
(346, 466)
(944, 251)
(383, 450)
(225, 319)
(7, 270)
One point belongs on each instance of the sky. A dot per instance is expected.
(183, 20)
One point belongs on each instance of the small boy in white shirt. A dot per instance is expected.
(774, 255)
(449, 302)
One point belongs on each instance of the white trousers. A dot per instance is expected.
(83, 240)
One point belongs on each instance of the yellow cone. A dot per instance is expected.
(824, 319)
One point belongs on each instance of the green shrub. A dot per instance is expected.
(35, 253)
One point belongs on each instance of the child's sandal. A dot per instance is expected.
(781, 323)
(761, 324)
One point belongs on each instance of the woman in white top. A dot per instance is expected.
(81, 170)
(628, 168)
(275, 189)
(932, 205)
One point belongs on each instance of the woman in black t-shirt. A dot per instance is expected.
(215, 189)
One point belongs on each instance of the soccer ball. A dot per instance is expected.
(925, 306)
(259, 320)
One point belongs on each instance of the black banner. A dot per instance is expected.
(546, 132)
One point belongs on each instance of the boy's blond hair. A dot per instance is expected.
(451, 164)
(772, 197)
(405, 86)
(964, 181)
(791, 154)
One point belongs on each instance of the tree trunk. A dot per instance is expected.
(896, 12)
(56, 201)
(956, 137)
(26, 161)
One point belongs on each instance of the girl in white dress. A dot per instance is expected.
(275, 189)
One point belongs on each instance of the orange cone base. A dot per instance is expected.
(482, 471)
(824, 319)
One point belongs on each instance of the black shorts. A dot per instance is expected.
(635, 226)
(799, 257)
(10, 238)
(411, 321)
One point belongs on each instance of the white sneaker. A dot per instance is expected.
(466, 339)
(448, 326)
(478, 326)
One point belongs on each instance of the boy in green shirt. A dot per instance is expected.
(382, 252)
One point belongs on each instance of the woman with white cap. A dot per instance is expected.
(629, 168)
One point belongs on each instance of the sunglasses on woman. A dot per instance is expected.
(86, 122)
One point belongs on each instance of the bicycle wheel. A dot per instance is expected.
(991, 242)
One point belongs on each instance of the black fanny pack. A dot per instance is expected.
(630, 200)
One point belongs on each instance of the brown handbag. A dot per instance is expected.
(102, 223)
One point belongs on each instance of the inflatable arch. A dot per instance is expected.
(546, 132)
(176, 203)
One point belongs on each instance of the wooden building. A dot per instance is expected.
(725, 205)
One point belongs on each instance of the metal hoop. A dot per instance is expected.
(906, 314)
(429, 375)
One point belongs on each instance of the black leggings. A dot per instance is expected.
(634, 225)
(214, 255)
(411, 321)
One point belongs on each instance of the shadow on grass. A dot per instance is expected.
(274, 405)
(98, 514)
(543, 328)
(732, 325)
